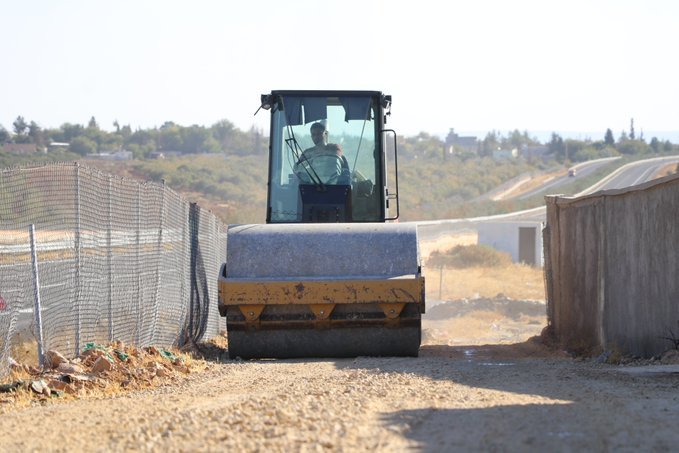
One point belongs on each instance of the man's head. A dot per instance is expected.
(319, 134)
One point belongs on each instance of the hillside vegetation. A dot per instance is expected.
(224, 168)
(234, 187)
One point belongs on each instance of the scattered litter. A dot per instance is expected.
(97, 347)
(168, 355)
(11, 387)
(121, 355)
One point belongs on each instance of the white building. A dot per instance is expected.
(522, 240)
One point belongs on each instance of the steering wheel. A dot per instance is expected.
(326, 166)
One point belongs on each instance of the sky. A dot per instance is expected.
(573, 67)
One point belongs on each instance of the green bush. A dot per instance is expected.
(462, 256)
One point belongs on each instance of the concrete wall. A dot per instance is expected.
(504, 236)
(612, 268)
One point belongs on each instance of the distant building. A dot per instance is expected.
(19, 149)
(522, 240)
(112, 155)
(456, 143)
(506, 153)
(53, 146)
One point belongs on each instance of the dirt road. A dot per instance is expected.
(516, 397)
(512, 395)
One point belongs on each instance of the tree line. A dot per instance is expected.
(428, 146)
(221, 137)
(224, 137)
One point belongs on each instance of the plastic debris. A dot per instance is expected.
(92, 346)
(11, 387)
(170, 356)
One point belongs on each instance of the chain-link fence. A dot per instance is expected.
(117, 260)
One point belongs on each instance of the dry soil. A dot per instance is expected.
(483, 382)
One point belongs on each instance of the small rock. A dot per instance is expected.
(71, 378)
(101, 364)
(69, 368)
(56, 384)
(87, 353)
(54, 359)
(162, 372)
(40, 387)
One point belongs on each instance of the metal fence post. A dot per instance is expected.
(159, 263)
(109, 259)
(138, 265)
(184, 301)
(77, 259)
(36, 296)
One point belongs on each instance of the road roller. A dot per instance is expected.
(332, 273)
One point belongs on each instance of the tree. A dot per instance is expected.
(516, 139)
(4, 135)
(71, 131)
(634, 147)
(631, 129)
(35, 132)
(197, 139)
(556, 146)
(667, 146)
(608, 138)
(92, 124)
(170, 138)
(223, 131)
(490, 143)
(83, 146)
(126, 131)
(20, 125)
(655, 144)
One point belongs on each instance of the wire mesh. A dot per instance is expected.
(118, 260)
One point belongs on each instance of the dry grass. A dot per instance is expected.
(24, 350)
(447, 242)
(516, 281)
(475, 327)
(530, 184)
(466, 256)
(481, 327)
(666, 170)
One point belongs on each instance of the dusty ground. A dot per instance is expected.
(481, 383)
(667, 170)
(519, 397)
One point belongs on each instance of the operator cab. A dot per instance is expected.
(327, 157)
